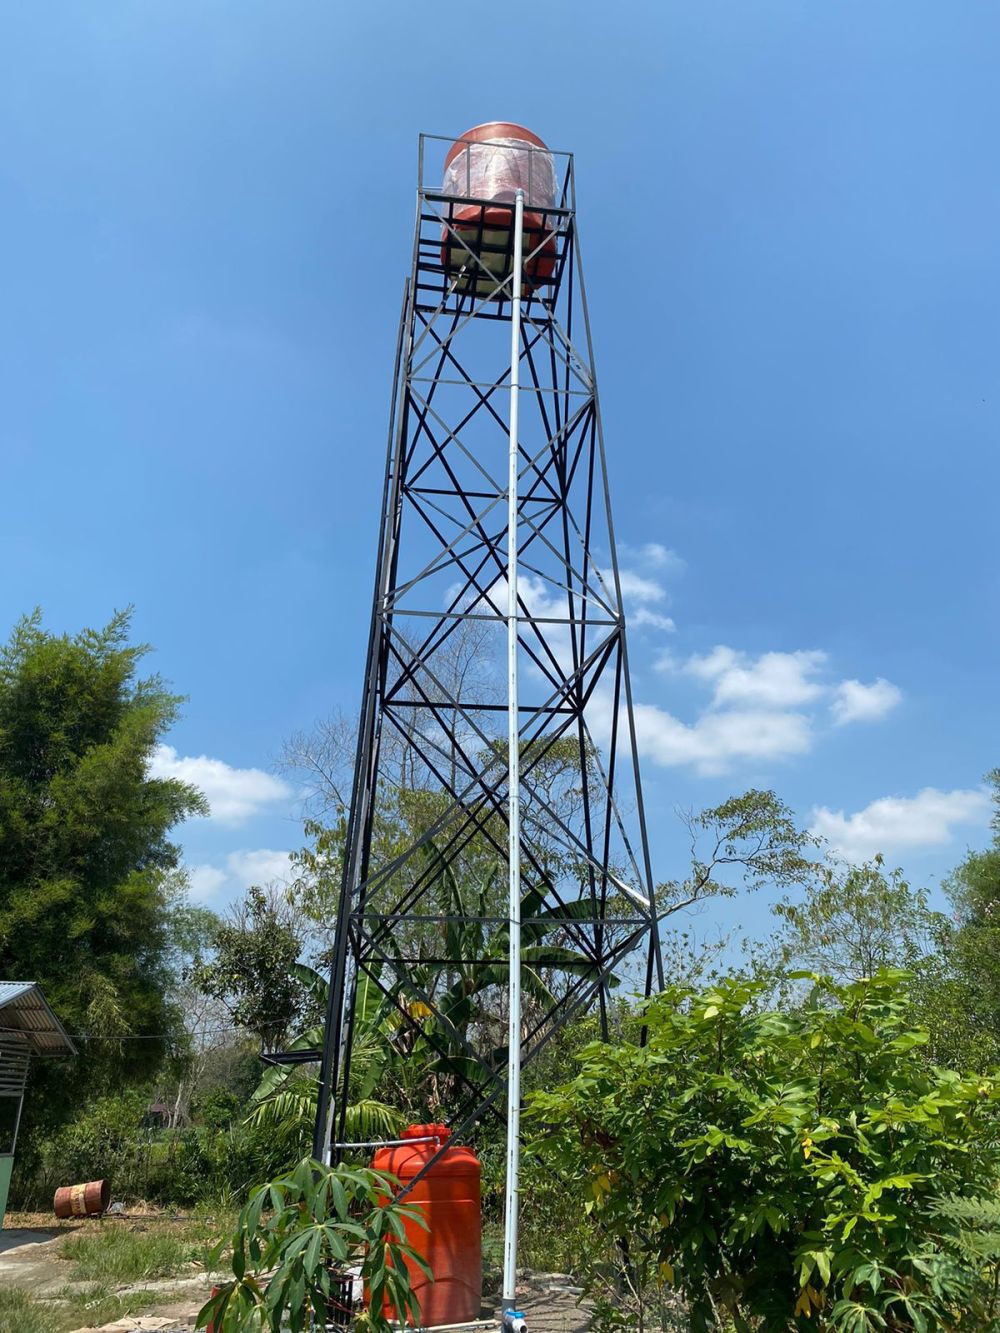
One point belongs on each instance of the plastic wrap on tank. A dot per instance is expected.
(496, 170)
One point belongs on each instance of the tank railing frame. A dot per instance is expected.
(563, 218)
(439, 196)
(437, 289)
(395, 1143)
(435, 228)
(494, 248)
(555, 228)
(499, 291)
(562, 163)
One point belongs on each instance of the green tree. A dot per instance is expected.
(783, 1170)
(854, 920)
(965, 990)
(747, 843)
(251, 969)
(85, 853)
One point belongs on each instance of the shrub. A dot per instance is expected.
(198, 1164)
(218, 1108)
(106, 1139)
(298, 1234)
(184, 1167)
(782, 1170)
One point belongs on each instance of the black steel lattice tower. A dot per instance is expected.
(441, 585)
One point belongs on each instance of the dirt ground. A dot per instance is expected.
(549, 1304)
(29, 1260)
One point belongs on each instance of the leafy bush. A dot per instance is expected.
(201, 1165)
(186, 1166)
(298, 1234)
(218, 1108)
(782, 1170)
(106, 1140)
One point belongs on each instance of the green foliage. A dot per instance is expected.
(781, 1167)
(85, 858)
(298, 1233)
(971, 1233)
(284, 1103)
(967, 1005)
(853, 921)
(464, 994)
(110, 1139)
(105, 1140)
(218, 1108)
(199, 1164)
(748, 842)
(252, 968)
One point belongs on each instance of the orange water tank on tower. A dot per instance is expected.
(490, 163)
(449, 1200)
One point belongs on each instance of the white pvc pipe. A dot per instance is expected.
(513, 792)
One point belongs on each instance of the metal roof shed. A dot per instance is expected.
(28, 1028)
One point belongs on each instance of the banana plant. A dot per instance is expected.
(457, 991)
(286, 1096)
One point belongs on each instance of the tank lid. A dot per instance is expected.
(441, 1132)
(492, 129)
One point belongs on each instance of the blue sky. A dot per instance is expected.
(790, 215)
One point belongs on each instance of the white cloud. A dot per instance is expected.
(772, 680)
(894, 823)
(638, 588)
(653, 555)
(715, 740)
(261, 866)
(234, 794)
(644, 616)
(240, 869)
(663, 558)
(205, 881)
(855, 702)
(759, 707)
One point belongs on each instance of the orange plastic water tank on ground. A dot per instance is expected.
(449, 1200)
(492, 162)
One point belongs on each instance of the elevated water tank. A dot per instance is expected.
(448, 1198)
(488, 165)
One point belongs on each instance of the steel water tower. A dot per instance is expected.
(497, 663)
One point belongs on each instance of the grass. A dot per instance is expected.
(19, 1313)
(117, 1255)
(96, 1305)
(103, 1257)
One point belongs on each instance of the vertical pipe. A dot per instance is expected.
(513, 791)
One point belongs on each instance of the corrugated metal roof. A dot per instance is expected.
(23, 1009)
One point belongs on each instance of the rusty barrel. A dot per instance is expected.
(82, 1200)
